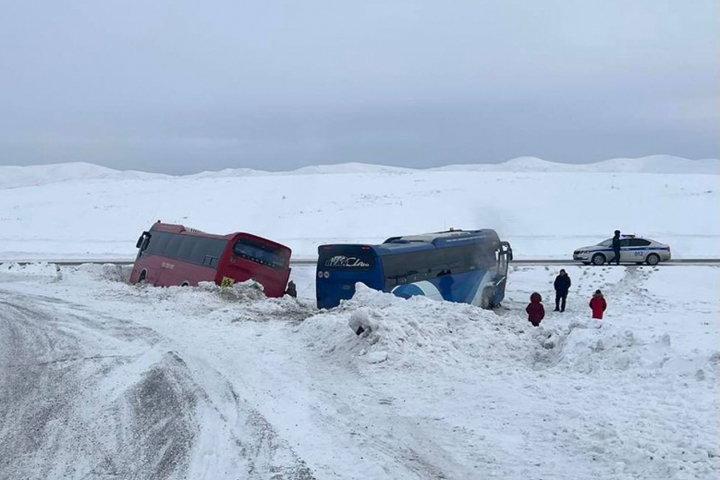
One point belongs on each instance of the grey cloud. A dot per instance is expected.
(186, 86)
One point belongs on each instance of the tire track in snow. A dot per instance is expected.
(87, 395)
(57, 418)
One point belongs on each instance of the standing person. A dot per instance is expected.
(535, 310)
(616, 247)
(598, 305)
(562, 286)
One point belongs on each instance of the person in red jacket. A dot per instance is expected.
(598, 305)
(535, 310)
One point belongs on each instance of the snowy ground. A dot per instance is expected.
(545, 210)
(100, 379)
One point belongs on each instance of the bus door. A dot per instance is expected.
(264, 262)
(504, 257)
(340, 267)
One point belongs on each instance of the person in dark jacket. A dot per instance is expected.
(562, 286)
(598, 305)
(535, 310)
(291, 289)
(616, 247)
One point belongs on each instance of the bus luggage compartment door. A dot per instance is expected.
(340, 267)
(333, 286)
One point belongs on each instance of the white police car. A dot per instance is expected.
(632, 249)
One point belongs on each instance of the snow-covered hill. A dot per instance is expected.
(12, 176)
(83, 211)
(35, 175)
(651, 164)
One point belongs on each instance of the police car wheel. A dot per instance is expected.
(652, 259)
(598, 259)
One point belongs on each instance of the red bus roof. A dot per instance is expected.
(175, 228)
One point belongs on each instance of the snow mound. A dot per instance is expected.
(108, 272)
(417, 331)
(35, 175)
(590, 347)
(32, 271)
(381, 329)
(248, 291)
(243, 302)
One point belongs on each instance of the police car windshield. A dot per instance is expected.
(606, 243)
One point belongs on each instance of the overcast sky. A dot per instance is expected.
(179, 86)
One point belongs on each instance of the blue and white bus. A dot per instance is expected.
(467, 266)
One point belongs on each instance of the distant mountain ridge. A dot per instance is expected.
(16, 176)
(33, 175)
(650, 164)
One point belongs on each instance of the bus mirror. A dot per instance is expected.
(143, 241)
(507, 250)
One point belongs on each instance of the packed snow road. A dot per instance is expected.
(100, 379)
(89, 394)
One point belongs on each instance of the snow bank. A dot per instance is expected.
(590, 347)
(423, 333)
(417, 331)
(38, 271)
(602, 393)
(429, 389)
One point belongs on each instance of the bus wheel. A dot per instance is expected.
(185, 284)
(143, 277)
(598, 259)
(652, 259)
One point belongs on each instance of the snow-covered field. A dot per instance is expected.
(545, 210)
(101, 379)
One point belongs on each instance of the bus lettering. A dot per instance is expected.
(343, 261)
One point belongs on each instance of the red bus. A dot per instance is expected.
(174, 255)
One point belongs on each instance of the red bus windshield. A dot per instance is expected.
(262, 253)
